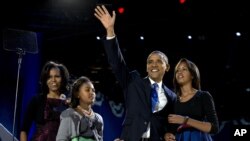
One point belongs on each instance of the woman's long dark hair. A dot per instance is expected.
(194, 72)
(45, 75)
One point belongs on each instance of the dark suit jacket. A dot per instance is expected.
(137, 99)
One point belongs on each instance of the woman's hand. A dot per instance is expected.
(176, 119)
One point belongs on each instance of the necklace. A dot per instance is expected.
(87, 113)
(187, 96)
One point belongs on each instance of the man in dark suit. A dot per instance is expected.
(141, 121)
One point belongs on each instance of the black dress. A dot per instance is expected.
(200, 107)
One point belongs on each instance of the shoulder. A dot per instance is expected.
(169, 91)
(68, 113)
(37, 99)
(204, 94)
(99, 117)
(135, 78)
(134, 74)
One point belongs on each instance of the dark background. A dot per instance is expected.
(67, 30)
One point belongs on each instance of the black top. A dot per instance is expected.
(200, 107)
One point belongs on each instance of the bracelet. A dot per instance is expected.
(185, 120)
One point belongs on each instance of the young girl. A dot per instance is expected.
(195, 111)
(80, 122)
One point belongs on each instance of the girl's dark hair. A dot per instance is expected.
(75, 90)
(45, 75)
(194, 72)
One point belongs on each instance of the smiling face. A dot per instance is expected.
(183, 75)
(186, 73)
(157, 66)
(54, 80)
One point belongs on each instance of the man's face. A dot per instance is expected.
(156, 67)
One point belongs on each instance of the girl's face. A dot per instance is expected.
(87, 93)
(54, 80)
(183, 74)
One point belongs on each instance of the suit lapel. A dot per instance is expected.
(166, 91)
(148, 88)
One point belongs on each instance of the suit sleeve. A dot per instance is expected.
(116, 61)
(171, 128)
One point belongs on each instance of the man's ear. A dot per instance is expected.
(167, 67)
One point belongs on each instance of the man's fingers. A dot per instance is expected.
(100, 10)
(97, 16)
(104, 9)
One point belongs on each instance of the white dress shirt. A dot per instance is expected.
(162, 102)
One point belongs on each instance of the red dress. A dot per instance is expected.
(52, 111)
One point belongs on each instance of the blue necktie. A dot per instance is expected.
(154, 96)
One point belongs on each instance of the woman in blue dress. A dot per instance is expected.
(195, 112)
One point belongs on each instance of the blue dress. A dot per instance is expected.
(191, 134)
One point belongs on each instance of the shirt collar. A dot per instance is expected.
(152, 82)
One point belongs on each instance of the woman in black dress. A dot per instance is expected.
(195, 112)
